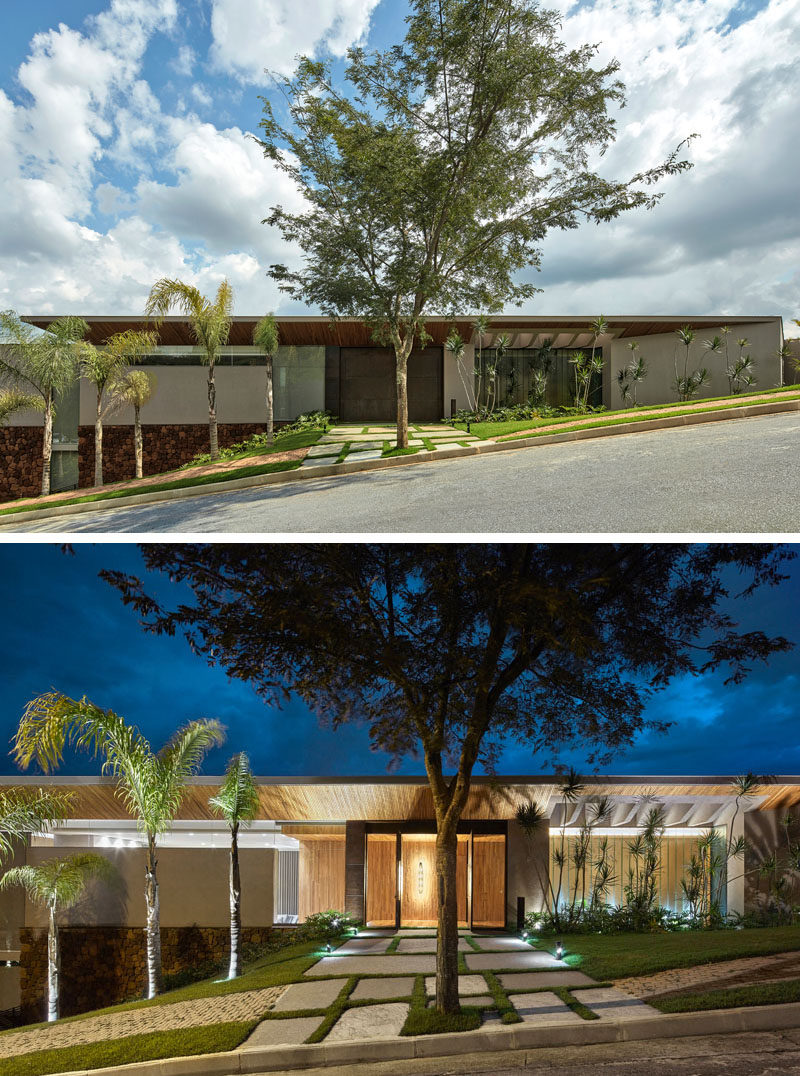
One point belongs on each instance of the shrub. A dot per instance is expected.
(325, 926)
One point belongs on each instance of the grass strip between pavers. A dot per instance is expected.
(572, 1002)
(393, 944)
(472, 943)
(335, 1010)
(508, 1014)
(733, 998)
(424, 1021)
(155, 1045)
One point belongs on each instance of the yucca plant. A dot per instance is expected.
(211, 326)
(480, 327)
(135, 388)
(57, 884)
(151, 786)
(43, 365)
(455, 345)
(237, 803)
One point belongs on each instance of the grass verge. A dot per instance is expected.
(158, 487)
(566, 423)
(732, 998)
(424, 1021)
(620, 955)
(211, 1039)
(508, 1014)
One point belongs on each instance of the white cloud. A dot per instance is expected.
(251, 35)
(184, 62)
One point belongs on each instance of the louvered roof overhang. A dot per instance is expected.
(351, 332)
(390, 799)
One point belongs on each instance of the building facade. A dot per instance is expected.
(360, 845)
(335, 366)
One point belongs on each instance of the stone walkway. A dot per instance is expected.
(723, 973)
(182, 1014)
(366, 442)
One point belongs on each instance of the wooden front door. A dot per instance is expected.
(489, 880)
(419, 899)
(381, 879)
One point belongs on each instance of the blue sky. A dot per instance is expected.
(68, 630)
(126, 152)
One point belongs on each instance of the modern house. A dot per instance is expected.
(335, 366)
(361, 845)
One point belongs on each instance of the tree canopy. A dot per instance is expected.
(432, 179)
(447, 651)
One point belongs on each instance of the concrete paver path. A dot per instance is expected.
(615, 1004)
(369, 1022)
(309, 995)
(530, 961)
(467, 984)
(283, 1032)
(374, 965)
(544, 1007)
(721, 973)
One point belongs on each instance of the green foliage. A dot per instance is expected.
(133, 388)
(265, 335)
(150, 785)
(237, 799)
(59, 883)
(781, 993)
(45, 363)
(326, 926)
(210, 320)
(259, 442)
(24, 811)
(13, 400)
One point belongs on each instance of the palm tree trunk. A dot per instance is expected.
(235, 968)
(137, 440)
(447, 943)
(269, 402)
(153, 928)
(53, 966)
(212, 414)
(98, 443)
(47, 443)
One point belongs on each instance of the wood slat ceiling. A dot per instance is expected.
(350, 332)
(331, 801)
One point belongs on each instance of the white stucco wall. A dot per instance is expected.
(453, 385)
(659, 351)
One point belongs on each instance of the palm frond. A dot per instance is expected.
(59, 882)
(265, 335)
(167, 293)
(23, 812)
(13, 400)
(237, 799)
(134, 388)
(176, 762)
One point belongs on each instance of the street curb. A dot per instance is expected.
(264, 1059)
(423, 456)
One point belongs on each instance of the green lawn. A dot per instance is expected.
(617, 956)
(733, 998)
(151, 1047)
(615, 418)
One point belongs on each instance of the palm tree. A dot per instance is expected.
(599, 328)
(237, 802)
(150, 785)
(44, 364)
(265, 337)
(13, 400)
(134, 389)
(211, 326)
(57, 884)
(102, 367)
(23, 812)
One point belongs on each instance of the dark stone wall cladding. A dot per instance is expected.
(103, 965)
(20, 461)
(165, 447)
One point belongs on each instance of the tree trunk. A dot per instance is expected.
(235, 968)
(268, 401)
(212, 414)
(153, 928)
(47, 443)
(53, 967)
(447, 942)
(401, 358)
(137, 440)
(98, 443)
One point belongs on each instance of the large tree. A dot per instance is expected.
(431, 181)
(135, 388)
(210, 321)
(151, 785)
(447, 651)
(44, 364)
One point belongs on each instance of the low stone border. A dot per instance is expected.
(423, 456)
(497, 1038)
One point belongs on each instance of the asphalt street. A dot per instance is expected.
(735, 476)
(767, 1053)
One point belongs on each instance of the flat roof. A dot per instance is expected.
(352, 332)
(396, 798)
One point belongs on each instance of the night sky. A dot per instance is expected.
(65, 628)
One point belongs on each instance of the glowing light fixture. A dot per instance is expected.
(559, 951)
